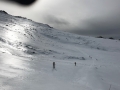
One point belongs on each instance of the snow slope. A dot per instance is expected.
(28, 49)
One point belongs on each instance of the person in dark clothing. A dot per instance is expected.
(53, 65)
(75, 63)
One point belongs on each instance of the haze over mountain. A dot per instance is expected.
(28, 50)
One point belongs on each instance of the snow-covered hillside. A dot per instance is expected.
(28, 50)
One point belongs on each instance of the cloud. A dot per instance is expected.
(88, 17)
(107, 27)
(56, 21)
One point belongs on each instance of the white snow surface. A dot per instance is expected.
(28, 50)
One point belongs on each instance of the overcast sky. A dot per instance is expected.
(85, 17)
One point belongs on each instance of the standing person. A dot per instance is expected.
(75, 63)
(53, 65)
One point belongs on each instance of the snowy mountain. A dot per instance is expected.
(28, 50)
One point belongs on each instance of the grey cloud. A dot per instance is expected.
(56, 22)
(107, 27)
(88, 17)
